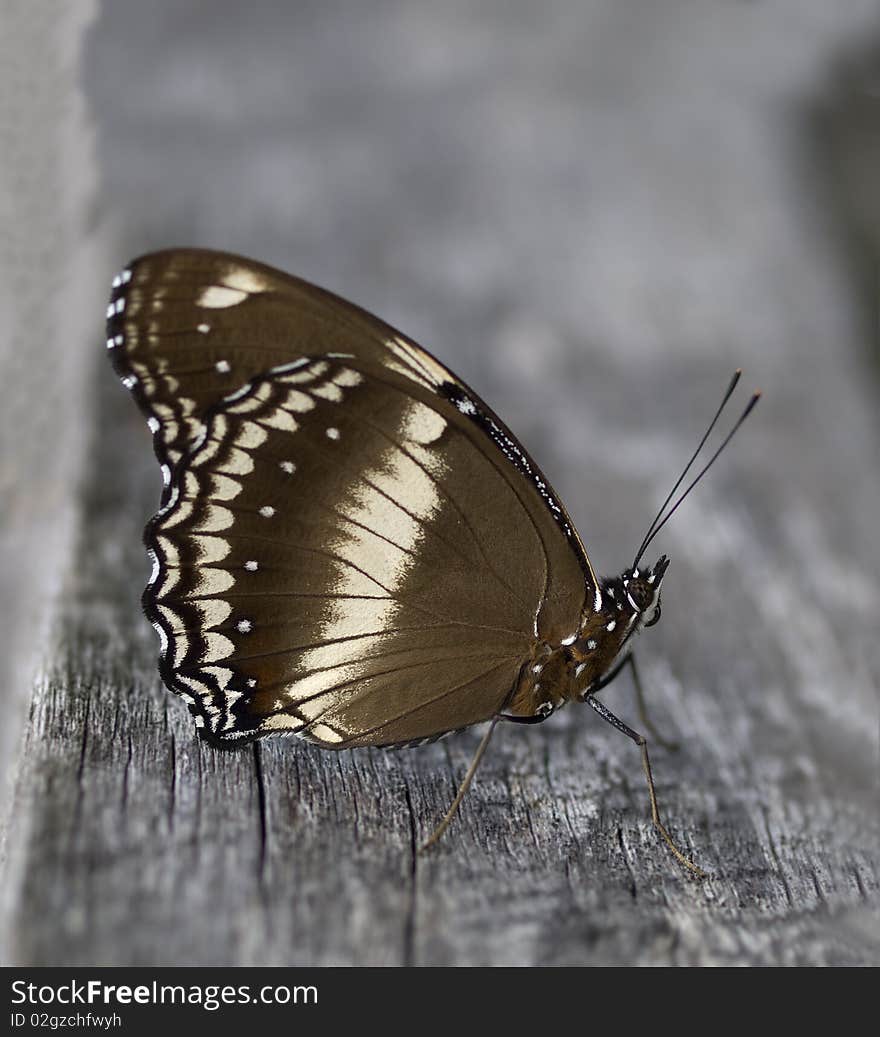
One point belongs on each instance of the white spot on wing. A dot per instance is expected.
(218, 297)
(245, 280)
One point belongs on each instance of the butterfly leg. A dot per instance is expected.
(640, 741)
(465, 785)
(643, 710)
(630, 661)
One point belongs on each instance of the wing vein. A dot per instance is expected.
(407, 712)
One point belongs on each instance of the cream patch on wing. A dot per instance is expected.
(422, 425)
(237, 284)
(413, 362)
(381, 541)
(245, 280)
(217, 297)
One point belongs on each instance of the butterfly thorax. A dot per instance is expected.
(570, 670)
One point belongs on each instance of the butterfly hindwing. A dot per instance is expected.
(342, 558)
(352, 545)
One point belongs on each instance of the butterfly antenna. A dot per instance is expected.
(656, 527)
(737, 374)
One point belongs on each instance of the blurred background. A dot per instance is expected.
(592, 210)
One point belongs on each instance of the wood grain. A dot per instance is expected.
(603, 342)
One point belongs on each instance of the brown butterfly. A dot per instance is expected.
(351, 545)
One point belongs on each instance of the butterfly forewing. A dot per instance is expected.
(352, 545)
(343, 558)
(186, 327)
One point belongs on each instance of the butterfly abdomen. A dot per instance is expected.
(544, 684)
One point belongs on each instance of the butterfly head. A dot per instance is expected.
(641, 591)
(629, 602)
(625, 605)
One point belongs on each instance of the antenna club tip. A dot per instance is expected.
(661, 519)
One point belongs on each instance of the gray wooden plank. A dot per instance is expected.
(616, 218)
(48, 261)
(43, 248)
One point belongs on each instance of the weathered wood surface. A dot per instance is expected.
(593, 215)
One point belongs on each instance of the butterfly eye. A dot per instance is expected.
(656, 617)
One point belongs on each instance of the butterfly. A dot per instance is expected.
(351, 545)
